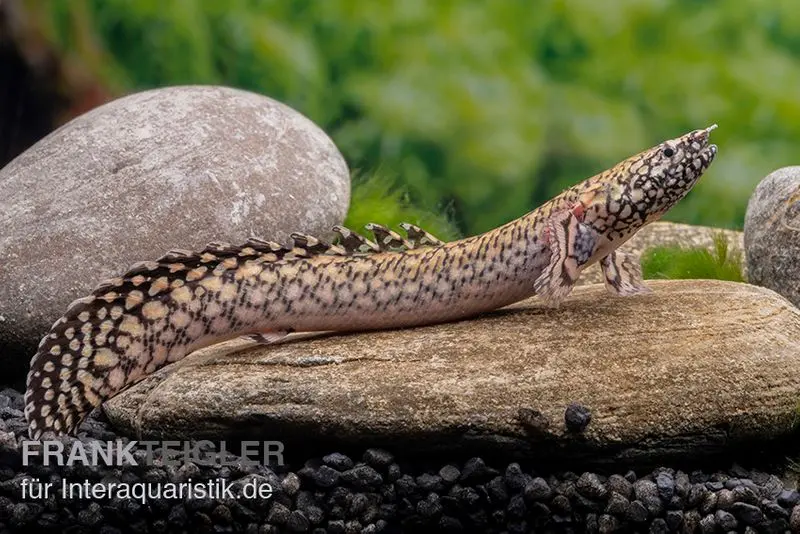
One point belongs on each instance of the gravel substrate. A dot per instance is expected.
(372, 492)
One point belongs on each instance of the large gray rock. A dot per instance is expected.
(169, 168)
(772, 233)
(692, 368)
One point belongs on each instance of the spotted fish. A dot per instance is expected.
(160, 311)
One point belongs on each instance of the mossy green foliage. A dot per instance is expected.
(488, 107)
(378, 198)
(720, 263)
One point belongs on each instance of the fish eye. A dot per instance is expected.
(669, 152)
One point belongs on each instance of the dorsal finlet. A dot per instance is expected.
(108, 285)
(178, 255)
(217, 248)
(387, 239)
(419, 237)
(261, 245)
(354, 243)
(314, 246)
(142, 267)
(309, 243)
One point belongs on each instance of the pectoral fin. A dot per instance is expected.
(571, 245)
(623, 274)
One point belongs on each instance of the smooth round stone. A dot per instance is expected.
(169, 168)
(772, 233)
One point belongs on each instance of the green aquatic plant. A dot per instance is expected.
(721, 262)
(378, 198)
(491, 107)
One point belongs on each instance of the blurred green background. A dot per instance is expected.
(464, 115)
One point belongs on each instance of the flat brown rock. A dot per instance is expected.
(692, 368)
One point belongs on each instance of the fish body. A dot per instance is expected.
(160, 311)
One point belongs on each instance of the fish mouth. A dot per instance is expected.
(708, 151)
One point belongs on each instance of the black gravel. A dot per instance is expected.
(374, 492)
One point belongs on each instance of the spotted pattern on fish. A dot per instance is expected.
(160, 311)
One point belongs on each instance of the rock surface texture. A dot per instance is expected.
(772, 233)
(169, 168)
(692, 368)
